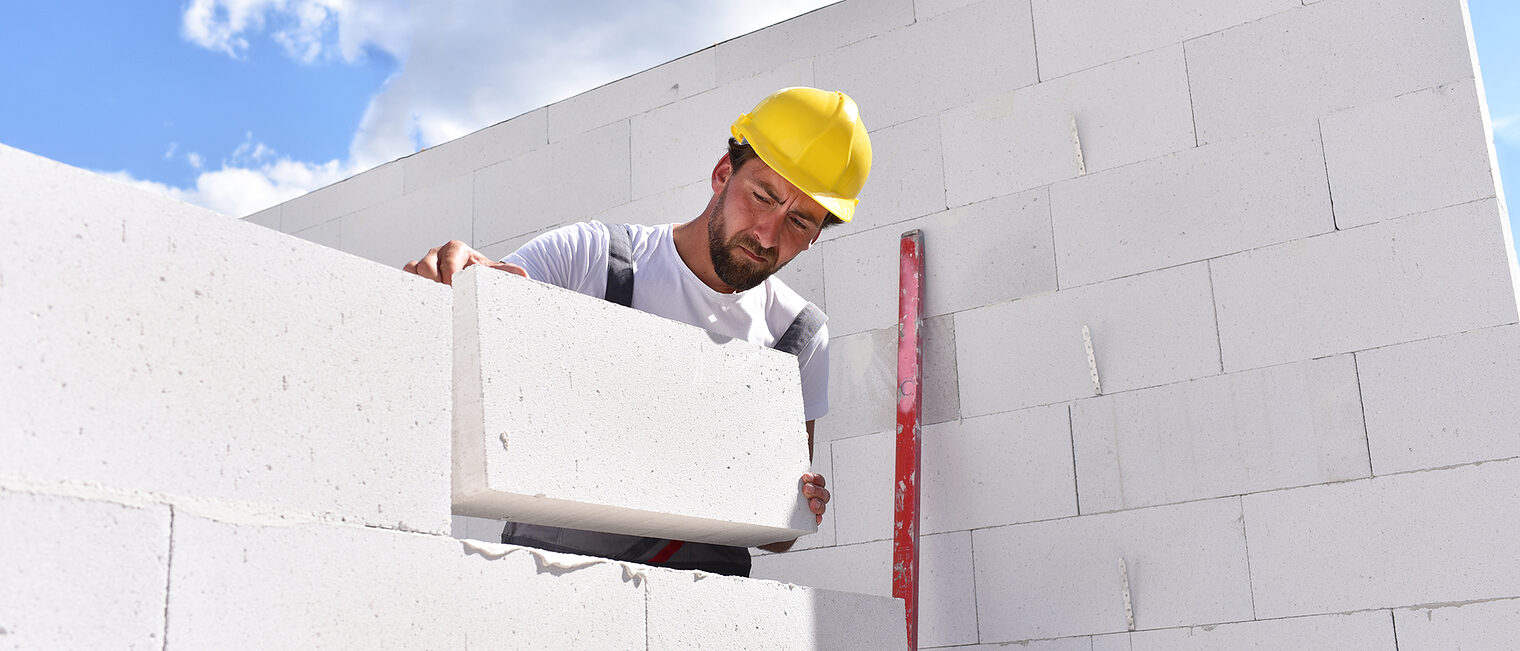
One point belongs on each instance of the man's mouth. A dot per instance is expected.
(754, 257)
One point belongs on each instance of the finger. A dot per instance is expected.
(816, 479)
(817, 519)
(410, 267)
(454, 257)
(427, 267)
(816, 506)
(821, 493)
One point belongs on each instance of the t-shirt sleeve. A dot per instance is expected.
(813, 362)
(573, 257)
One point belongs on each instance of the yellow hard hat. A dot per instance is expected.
(814, 139)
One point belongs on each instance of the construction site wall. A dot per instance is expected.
(1279, 220)
(216, 436)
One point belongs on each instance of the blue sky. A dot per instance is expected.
(239, 104)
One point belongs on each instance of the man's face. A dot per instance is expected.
(759, 223)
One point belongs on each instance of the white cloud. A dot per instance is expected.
(242, 191)
(463, 65)
(1507, 129)
(194, 159)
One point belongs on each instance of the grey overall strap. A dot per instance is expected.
(619, 266)
(802, 330)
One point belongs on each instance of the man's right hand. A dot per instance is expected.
(442, 262)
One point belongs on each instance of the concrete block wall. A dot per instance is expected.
(1281, 223)
(218, 436)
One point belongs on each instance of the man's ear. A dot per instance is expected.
(721, 173)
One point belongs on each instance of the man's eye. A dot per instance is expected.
(761, 198)
(799, 223)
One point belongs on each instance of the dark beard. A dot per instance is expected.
(736, 270)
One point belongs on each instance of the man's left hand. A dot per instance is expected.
(818, 496)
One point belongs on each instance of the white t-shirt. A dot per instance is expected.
(575, 257)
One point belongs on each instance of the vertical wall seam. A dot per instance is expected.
(1187, 75)
(1055, 258)
(976, 608)
(1393, 622)
(1250, 580)
(1361, 403)
(1034, 41)
(1208, 265)
(168, 577)
(1324, 158)
(1071, 434)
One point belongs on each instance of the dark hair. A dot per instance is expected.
(738, 154)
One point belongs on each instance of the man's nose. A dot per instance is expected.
(767, 229)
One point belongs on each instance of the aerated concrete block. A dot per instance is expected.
(999, 469)
(1186, 565)
(1290, 425)
(1239, 194)
(807, 35)
(404, 229)
(461, 156)
(693, 610)
(1400, 280)
(631, 95)
(865, 568)
(1309, 62)
(1147, 330)
(200, 358)
(1126, 111)
(284, 585)
(326, 204)
(1073, 35)
(268, 217)
(863, 374)
(1365, 631)
(678, 144)
(973, 255)
(863, 480)
(1400, 540)
(81, 573)
(1417, 152)
(572, 411)
(946, 594)
(1484, 626)
(907, 177)
(326, 234)
(1443, 401)
(862, 378)
(948, 60)
(555, 184)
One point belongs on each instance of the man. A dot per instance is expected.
(795, 165)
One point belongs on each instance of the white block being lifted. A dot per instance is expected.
(574, 412)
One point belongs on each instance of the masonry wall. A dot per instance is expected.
(1283, 231)
(218, 436)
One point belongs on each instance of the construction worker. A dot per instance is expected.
(795, 165)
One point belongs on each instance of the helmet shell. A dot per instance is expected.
(814, 139)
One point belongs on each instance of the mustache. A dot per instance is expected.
(753, 245)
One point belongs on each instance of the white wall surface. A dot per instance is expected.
(217, 436)
(1288, 245)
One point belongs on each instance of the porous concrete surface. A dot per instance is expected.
(81, 573)
(188, 355)
(572, 411)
